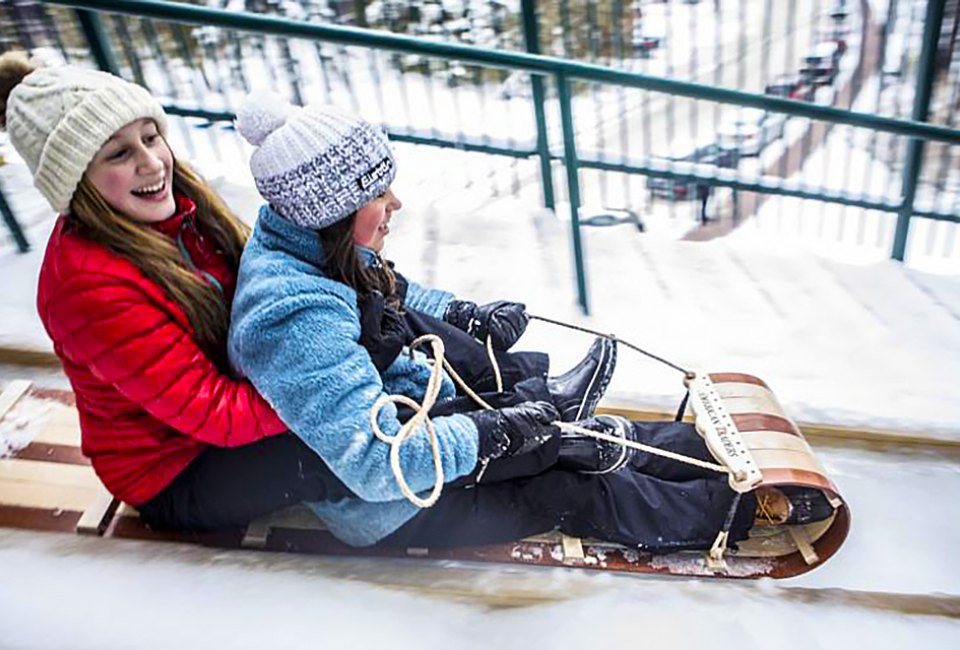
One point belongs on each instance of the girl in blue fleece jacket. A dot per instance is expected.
(318, 324)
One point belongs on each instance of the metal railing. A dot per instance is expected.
(566, 76)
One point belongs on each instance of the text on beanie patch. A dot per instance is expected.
(375, 173)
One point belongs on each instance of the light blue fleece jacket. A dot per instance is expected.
(294, 333)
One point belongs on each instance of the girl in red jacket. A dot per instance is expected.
(135, 291)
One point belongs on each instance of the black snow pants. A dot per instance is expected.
(230, 487)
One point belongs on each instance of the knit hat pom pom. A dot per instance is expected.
(14, 66)
(262, 113)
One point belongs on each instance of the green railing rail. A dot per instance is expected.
(564, 73)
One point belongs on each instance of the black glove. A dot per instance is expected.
(514, 430)
(504, 322)
(383, 331)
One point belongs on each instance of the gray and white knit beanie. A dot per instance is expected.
(58, 118)
(315, 165)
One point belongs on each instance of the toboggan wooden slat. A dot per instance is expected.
(47, 484)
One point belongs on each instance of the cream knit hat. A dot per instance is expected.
(58, 118)
(315, 165)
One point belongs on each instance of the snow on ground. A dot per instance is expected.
(121, 594)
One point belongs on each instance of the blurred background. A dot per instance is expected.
(821, 183)
(687, 195)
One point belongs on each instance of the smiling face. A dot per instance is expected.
(372, 222)
(133, 172)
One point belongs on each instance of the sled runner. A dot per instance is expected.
(47, 484)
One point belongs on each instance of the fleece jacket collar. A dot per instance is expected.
(303, 243)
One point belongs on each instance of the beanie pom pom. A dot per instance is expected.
(14, 66)
(261, 114)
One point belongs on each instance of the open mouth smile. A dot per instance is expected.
(150, 191)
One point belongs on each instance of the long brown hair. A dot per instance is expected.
(159, 258)
(344, 265)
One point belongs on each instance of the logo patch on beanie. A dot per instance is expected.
(375, 173)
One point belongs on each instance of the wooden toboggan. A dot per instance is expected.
(47, 485)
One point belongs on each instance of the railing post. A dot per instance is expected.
(531, 37)
(22, 244)
(97, 39)
(921, 108)
(573, 185)
(22, 26)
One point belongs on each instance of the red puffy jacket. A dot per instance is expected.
(149, 399)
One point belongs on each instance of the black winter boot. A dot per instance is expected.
(583, 453)
(577, 392)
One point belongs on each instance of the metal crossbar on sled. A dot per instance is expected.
(46, 484)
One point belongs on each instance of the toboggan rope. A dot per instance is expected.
(421, 410)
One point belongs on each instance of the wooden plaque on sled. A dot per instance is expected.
(47, 484)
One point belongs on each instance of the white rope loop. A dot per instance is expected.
(438, 363)
(411, 425)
